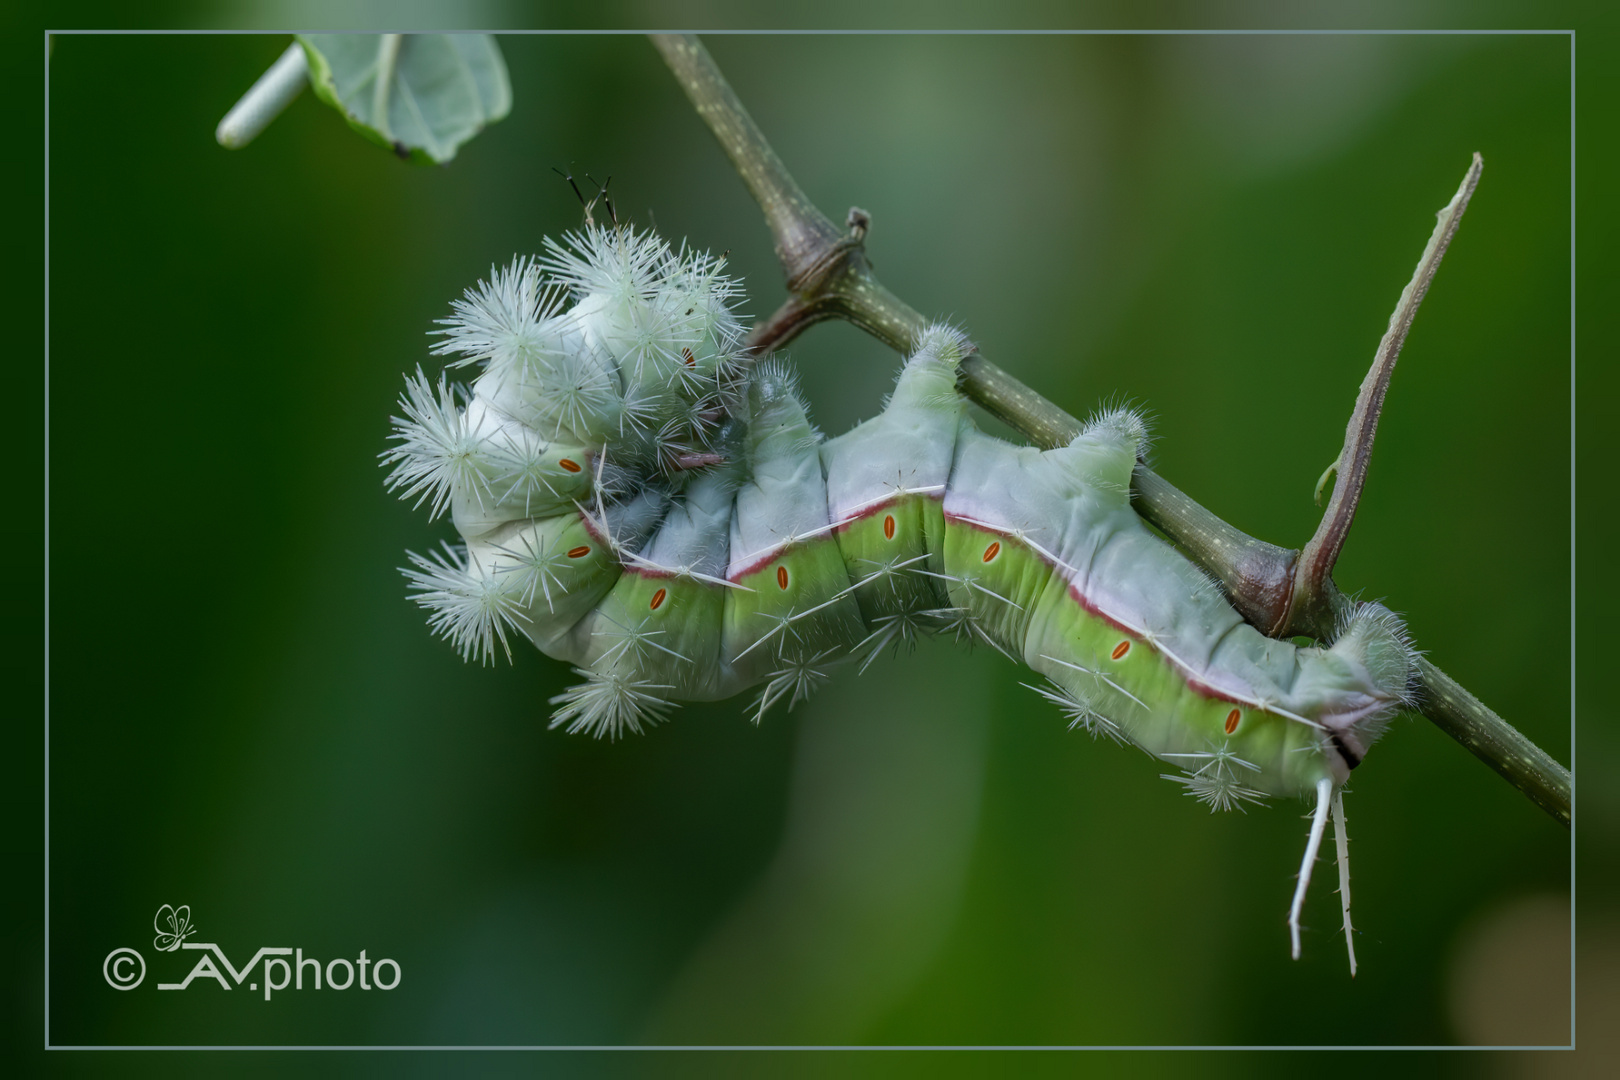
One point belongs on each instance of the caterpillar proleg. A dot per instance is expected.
(644, 503)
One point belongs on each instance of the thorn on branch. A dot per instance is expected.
(1313, 589)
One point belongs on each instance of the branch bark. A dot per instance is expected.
(828, 276)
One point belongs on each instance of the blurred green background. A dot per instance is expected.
(249, 718)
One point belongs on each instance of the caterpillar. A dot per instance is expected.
(642, 500)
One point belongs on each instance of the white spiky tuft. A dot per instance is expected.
(1217, 792)
(732, 360)
(697, 287)
(647, 345)
(535, 565)
(439, 454)
(1217, 782)
(635, 644)
(522, 472)
(471, 608)
(1081, 714)
(504, 317)
(902, 630)
(963, 626)
(609, 703)
(614, 261)
(579, 393)
(796, 680)
(610, 349)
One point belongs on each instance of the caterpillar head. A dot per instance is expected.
(1373, 645)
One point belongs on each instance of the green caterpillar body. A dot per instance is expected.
(713, 542)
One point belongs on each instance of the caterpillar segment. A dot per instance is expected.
(644, 504)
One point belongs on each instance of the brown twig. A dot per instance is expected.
(829, 277)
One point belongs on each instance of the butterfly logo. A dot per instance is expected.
(173, 926)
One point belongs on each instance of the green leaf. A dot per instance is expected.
(420, 95)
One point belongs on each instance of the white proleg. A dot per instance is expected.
(1341, 840)
(1324, 795)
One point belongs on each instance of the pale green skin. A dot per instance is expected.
(532, 478)
(1040, 549)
